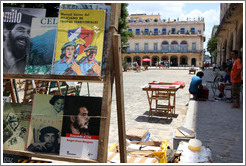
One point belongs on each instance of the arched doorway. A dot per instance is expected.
(146, 63)
(155, 60)
(193, 62)
(174, 61)
(137, 59)
(128, 59)
(183, 60)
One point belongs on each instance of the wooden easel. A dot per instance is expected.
(112, 72)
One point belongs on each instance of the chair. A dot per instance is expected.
(214, 84)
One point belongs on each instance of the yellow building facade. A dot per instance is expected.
(178, 42)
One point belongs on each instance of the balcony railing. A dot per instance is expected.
(164, 51)
(169, 33)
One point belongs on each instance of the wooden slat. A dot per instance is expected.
(47, 156)
(120, 98)
(107, 88)
(98, 79)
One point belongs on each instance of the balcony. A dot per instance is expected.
(163, 51)
(169, 33)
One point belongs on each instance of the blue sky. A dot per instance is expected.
(209, 11)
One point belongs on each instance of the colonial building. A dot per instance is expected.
(230, 31)
(179, 42)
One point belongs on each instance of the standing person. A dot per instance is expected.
(48, 141)
(16, 46)
(79, 121)
(236, 78)
(196, 88)
(67, 58)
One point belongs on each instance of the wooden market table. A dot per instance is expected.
(161, 92)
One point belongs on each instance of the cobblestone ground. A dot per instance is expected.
(136, 103)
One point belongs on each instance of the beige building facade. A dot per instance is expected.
(179, 42)
(230, 31)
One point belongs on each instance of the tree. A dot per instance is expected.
(123, 26)
(212, 47)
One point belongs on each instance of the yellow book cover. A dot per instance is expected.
(79, 42)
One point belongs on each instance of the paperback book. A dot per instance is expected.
(45, 124)
(16, 118)
(79, 42)
(16, 37)
(80, 129)
(42, 43)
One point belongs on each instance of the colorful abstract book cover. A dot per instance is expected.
(45, 124)
(81, 125)
(16, 37)
(42, 43)
(79, 42)
(90, 6)
(16, 118)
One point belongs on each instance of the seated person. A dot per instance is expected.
(226, 82)
(196, 88)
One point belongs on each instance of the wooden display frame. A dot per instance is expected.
(113, 72)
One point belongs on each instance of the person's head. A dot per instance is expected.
(200, 74)
(234, 54)
(13, 121)
(49, 135)
(68, 50)
(18, 35)
(57, 102)
(81, 119)
(91, 52)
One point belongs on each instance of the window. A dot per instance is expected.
(183, 46)
(193, 47)
(164, 46)
(156, 31)
(146, 47)
(130, 30)
(127, 47)
(192, 30)
(182, 31)
(164, 31)
(136, 47)
(173, 31)
(155, 47)
(146, 31)
(140, 20)
(174, 46)
(137, 31)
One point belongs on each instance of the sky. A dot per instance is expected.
(209, 11)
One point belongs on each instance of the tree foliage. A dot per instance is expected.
(212, 46)
(123, 26)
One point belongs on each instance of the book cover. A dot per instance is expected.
(80, 129)
(79, 42)
(16, 118)
(16, 37)
(42, 43)
(45, 124)
(90, 6)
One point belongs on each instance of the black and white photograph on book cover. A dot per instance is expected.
(45, 124)
(80, 129)
(16, 37)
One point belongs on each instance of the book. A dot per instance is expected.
(16, 37)
(42, 43)
(45, 124)
(80, 129)
(79, 39)
(91, 6)
(16, 118)
(186, 132)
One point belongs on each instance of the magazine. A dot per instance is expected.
(16, 118)
(42, 43)
(45, 124)
(79, 42)
(80, 129)
(90, 6)
(16, 37)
